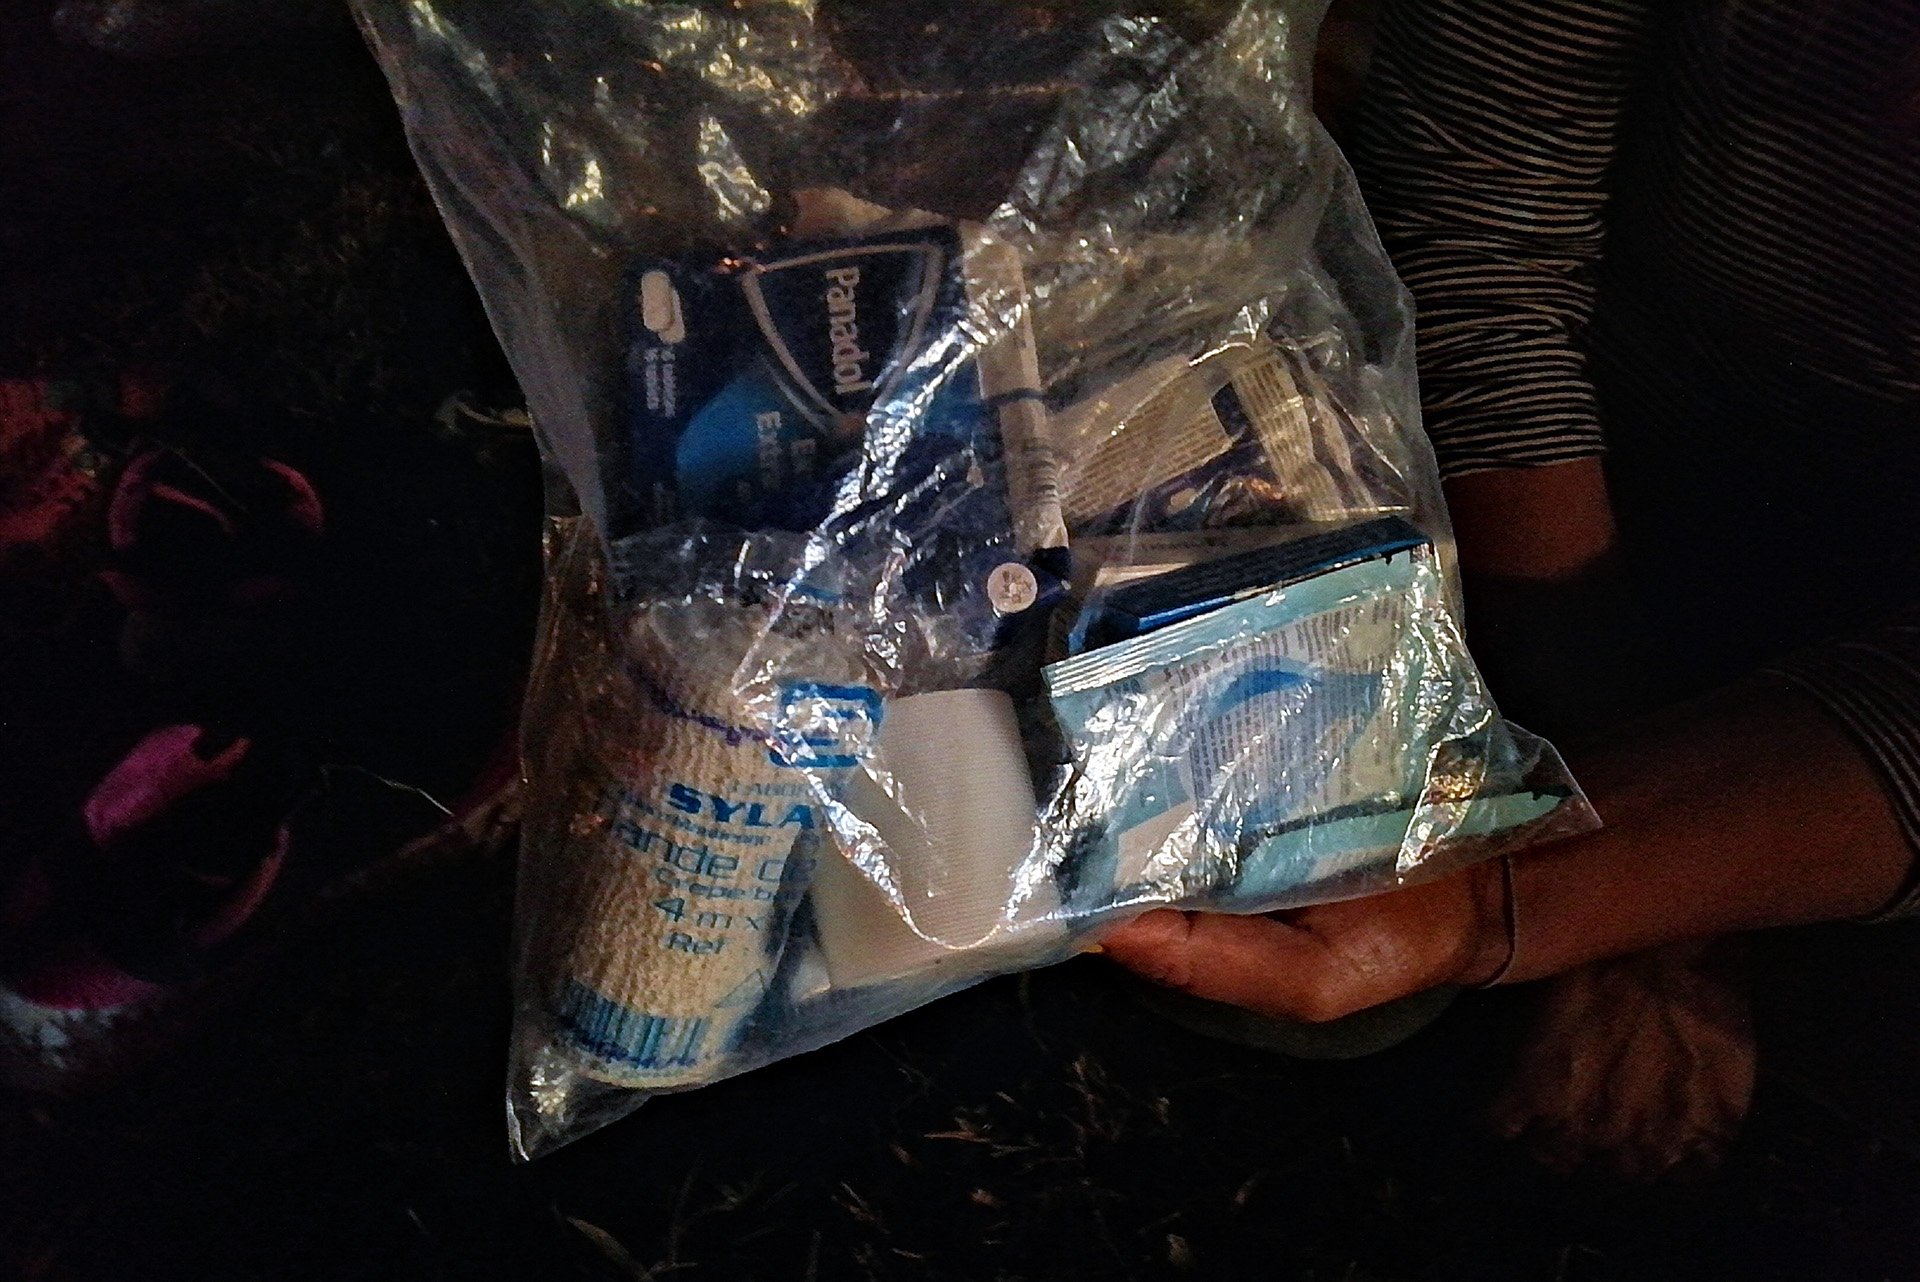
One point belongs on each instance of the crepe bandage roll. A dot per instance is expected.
(679, 908)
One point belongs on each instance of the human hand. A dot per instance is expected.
(1745, 809)
(1328, 960)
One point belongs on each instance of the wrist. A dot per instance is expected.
(1488, 952)
(1746, 809)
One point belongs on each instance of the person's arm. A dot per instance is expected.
(1483, 146)
(1751, 808)
(1775, 802)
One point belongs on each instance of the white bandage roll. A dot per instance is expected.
(956, 876)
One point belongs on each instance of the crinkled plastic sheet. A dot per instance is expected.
(990, 501)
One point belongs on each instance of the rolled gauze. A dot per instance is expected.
(943, 870)
(678, 906)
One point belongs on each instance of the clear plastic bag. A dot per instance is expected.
(990, 502)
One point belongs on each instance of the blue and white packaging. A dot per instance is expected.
(844, 385)
(1241, 745)
(756, 376)
(1196, 588)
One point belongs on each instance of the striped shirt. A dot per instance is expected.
(1687, 234)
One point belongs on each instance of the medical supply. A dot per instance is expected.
(679, 897)
(1244, 435)
(1262, 723)
(880, 353)
(938, 860)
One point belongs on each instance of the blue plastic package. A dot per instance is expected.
(1242, 740)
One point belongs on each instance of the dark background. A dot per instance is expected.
(236, 209)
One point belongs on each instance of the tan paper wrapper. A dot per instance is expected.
(1148, 430)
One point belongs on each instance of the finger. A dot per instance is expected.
(1256, 963)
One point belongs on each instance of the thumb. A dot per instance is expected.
(1261, 964)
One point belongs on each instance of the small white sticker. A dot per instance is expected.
(1012, 588)
(660, 307)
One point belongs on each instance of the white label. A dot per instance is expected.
(1012, 588)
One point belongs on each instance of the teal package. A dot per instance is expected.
(1279, 742)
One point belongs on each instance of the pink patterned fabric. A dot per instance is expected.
(68, 971)
(162, 500)
(162, 768)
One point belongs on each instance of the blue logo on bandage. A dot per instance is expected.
(821, 726)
